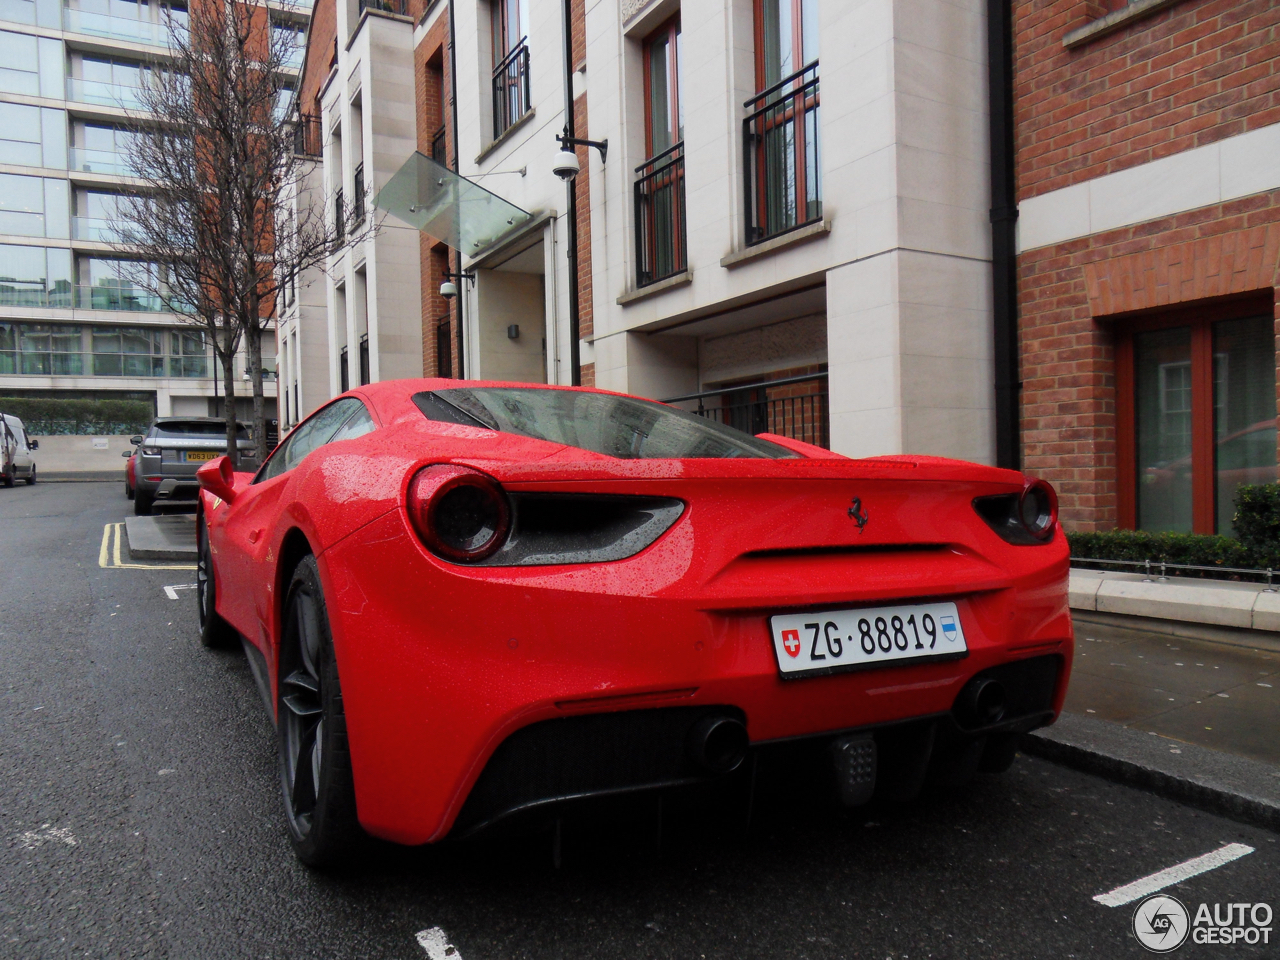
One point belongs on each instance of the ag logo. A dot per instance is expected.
(1161, 923)
(791, 642)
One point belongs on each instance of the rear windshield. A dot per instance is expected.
(196, 428)
(623, 427)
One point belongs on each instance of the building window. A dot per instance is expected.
(510, 63)
(56, 349)
(35, 276)
(659, 187)
(781, 129)
(344, 372)
(444, 348)
(364, 359)
(1196, 417)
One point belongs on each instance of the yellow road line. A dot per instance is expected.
(109, 553)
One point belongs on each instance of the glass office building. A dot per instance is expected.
(74, 320)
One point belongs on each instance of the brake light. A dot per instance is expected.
(460, 514)
(1024, 518)
(151, 451)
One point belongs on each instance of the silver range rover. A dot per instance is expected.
(171, 453)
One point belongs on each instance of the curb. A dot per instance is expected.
(1235, 787)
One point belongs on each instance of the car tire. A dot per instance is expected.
(142, 503)
(128, 491)
(31, 477)
(315, 759)
(215, 632)
(7, 477)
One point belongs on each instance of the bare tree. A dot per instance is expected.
(213, 149)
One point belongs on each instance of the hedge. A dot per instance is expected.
(1256, 545)
(48, 416)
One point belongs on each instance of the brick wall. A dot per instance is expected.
(321, 33)
(1191, 74)
(1069, 296)
(432, 94)
(582, 189)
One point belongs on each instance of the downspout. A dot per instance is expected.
(571, 246)
(453, 102)
(1004, 219)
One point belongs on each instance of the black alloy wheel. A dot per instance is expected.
(315, 761)
(214, 631)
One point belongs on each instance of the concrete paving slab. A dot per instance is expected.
(164, 537)
(1212, 780)
(1199, 603)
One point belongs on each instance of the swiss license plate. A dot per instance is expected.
(829, 641)
(190, 455)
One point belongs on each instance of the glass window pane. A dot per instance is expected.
(778, 56)
(1244, 409)
(23, 276)
(1162, 382)
(18, 11)
(53, 69)
(19, 64)
(57, 202)
(53, 137)
(659, 115)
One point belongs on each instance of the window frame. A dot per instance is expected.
(1201, 318)
(670, 32)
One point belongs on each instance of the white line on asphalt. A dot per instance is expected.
(171, 591)
(437, 945)
(1171, 875)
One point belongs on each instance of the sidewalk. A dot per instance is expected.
(1194, 720)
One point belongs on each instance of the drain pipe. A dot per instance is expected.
(571, 228)
(1004, 218)
(453, 101)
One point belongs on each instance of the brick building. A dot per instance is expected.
(1148, 191)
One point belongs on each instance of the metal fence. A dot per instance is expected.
(783, 186)
(794, 407)
(660, 220)
(510, 89)
(1160, 569)
(306, 136)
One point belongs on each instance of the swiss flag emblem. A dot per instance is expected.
(791, 642)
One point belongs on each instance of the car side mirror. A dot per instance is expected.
(135, 440)
(127, 453)
(33, 444)
(218, 477)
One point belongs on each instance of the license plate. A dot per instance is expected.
(829, 641)
(190, 455)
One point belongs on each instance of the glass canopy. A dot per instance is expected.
(447, 207)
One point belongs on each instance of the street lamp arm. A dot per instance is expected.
(601, 145)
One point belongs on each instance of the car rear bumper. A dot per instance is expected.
(444, 668)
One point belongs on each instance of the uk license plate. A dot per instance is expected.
(830, 641)
(199, 455)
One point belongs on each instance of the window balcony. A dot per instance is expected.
(782, 169)
(794, 407)
(61, 364)
(510, 89)
(306, 136)
(660, 217)
(121, 28)
(105, 94)
(98, 161)
(124, 297)
(94, 229)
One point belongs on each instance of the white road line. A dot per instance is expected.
(437, 945)
(171, 591)
(1171, 875)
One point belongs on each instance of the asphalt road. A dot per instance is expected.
(138, 799)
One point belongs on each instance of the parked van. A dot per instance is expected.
(15, 451)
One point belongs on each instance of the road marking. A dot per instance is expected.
(109, 553)
(437, 945)
(172, 590)
(30, 839)
(1171, 875)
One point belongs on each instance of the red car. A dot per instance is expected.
(465, 601)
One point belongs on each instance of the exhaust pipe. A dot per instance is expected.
(718, 744)
(981, 703)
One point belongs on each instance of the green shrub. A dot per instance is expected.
(1257, 517)
(50, 416)
(1191, 548)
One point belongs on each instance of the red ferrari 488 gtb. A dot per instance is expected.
(467, 600)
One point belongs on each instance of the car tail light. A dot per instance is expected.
(1024, 518)
(459, 513)
(151, 451)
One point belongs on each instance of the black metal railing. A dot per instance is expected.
(306, 136)
(1159, 570)
(357, 195)
(439, 147)
(400, 7)
(444, 348)
(510, 89)
(783, 186)
(660, 228)
(794, 407)
(339, 217)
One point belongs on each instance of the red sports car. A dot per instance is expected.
(469, 600)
